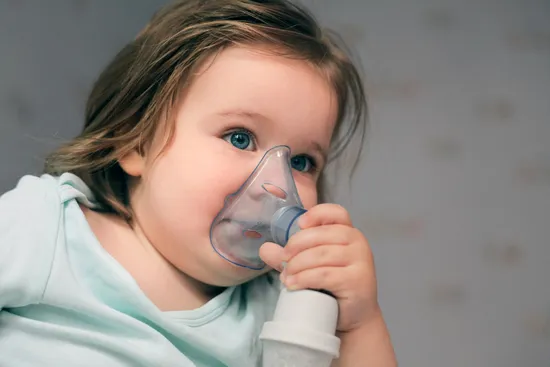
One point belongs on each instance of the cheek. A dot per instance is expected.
(308, 195)
(180, 193)
(192, 188)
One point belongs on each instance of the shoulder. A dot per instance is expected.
(30, 218)
(32, 203)
(30, 187)
(34, 195)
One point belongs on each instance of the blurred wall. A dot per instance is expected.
(453, 190)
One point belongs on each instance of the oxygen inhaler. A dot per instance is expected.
(266, 209)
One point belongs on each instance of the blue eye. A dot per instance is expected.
(240, 139)
(302, 163)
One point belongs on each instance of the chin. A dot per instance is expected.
(227, 274)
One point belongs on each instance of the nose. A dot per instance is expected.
(271, 174)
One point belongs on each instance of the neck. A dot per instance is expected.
(166, 286)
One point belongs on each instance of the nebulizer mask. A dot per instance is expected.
(266, 209)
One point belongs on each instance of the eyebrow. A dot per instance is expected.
(251, 115)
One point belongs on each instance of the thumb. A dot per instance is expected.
(272, 255)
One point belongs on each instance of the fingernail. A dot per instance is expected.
(290, 283)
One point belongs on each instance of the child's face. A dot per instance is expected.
(280, 102)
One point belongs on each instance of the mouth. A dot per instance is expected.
(242, 239)
(248, 225)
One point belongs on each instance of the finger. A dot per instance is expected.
(324, 214)
(326, 278)
(317, 257)
(273, 255)
(335, 234)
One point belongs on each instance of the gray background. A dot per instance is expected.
(454, 187)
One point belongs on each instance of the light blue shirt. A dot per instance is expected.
(64, 301)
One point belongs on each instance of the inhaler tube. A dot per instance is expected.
(284, 223)
(302, 332)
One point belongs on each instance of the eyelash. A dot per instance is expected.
(241, 130)
(312, 161)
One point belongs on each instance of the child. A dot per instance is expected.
(106, 260)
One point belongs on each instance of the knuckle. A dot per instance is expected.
(324, 274)
(324, 254)
(356, 233)
(340, 209)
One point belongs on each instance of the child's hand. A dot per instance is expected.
(330, 254)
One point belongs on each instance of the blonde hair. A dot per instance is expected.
(137, 91)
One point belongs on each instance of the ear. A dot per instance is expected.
(133, 163)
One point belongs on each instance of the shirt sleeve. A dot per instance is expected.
(29, 223)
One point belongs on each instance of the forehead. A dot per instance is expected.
(291, 93)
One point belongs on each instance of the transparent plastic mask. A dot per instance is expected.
(264, 209)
